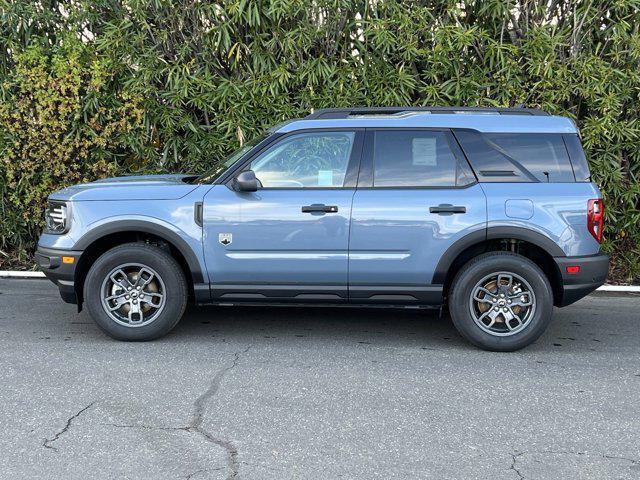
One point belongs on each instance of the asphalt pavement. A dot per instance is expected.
(275, 393)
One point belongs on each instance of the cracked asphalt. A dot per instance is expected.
(257, 393)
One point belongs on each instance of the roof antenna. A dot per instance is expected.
(546, 174)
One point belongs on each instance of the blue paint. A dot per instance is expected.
(395, 224)
(273, 241)
(522, 209)
(559, 212)
(378, 236)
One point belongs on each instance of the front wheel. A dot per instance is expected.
(501, 301)
(136, 292)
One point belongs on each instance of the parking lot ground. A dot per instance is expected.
(275, 393)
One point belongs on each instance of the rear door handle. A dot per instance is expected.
(447, 209)
(319, 208)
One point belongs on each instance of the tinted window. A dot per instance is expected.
(305, 160)
(524, 157)
(543, 155)
(578, 160)
(489, 164)
(413, 158)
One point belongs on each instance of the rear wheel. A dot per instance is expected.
(136, 292)
(501, 301)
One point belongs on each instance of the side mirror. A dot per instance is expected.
(246, 182)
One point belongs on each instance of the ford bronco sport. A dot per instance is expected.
(490, 211)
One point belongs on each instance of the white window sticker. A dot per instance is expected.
(423, 152)
(325, 178)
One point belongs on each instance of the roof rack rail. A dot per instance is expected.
(337, 113)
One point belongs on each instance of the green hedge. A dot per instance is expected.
(95, 88)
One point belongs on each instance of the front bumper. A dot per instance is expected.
(593, 273)
(58, 271)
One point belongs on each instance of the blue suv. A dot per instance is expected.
(489, 211)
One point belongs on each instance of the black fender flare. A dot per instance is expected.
(165, 233)
(519, 233)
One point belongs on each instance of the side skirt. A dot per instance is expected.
(372, 306)
(358, 295)
(267, 293)
(393, 294)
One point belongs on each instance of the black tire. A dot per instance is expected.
(150, 256)
(480, 267)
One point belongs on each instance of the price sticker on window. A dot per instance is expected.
(423, 152)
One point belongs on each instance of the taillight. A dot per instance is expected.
(595, 218)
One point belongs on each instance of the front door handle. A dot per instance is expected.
(447, 209)
(319, 208)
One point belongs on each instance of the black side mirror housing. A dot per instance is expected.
(246, 182)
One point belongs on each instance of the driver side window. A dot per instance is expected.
(305, 160)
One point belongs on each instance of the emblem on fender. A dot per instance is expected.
(225, 238)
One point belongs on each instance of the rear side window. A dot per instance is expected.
(416, 158)
(578, 160)
(517, 157)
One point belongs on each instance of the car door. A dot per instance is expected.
(287, 241)
(416, 196)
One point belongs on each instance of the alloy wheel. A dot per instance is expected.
(502, 304)
(133, 295)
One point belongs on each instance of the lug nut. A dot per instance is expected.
(496, 309)
(504, 309)
(127, 297)
(135, 302)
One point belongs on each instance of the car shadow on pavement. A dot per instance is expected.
(374, 326)
(577, 328)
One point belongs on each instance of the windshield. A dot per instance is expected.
(213, 173)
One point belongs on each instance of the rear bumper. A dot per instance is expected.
(593, 273)
(61, 273)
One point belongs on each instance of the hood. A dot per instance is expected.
(137, 187)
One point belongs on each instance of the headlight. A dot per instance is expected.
(57, 217)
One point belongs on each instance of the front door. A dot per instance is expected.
(416, 197)
(289, 240)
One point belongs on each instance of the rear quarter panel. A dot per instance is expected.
(556, 210)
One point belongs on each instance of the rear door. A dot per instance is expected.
(416, 196)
